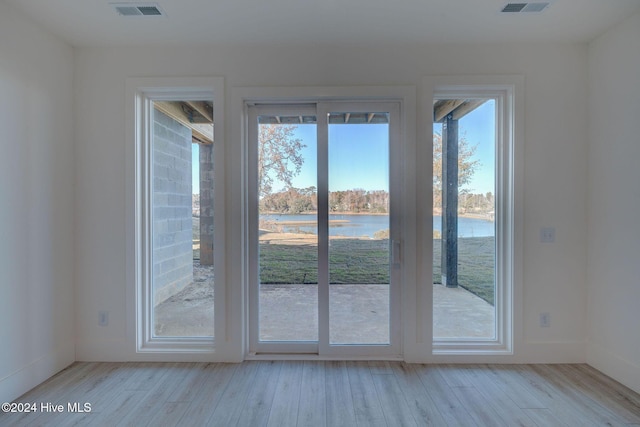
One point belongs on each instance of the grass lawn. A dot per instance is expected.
(476, 265)
(361, 261)
(351, 261)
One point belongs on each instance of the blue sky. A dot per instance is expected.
(358, 154)
(195, 173)
(358, 157)
(478, 127)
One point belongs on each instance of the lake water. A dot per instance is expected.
(367, 225)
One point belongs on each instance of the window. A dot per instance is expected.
(177, 126)
(474, 224)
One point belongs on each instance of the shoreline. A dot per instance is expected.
(330, 213)
(270, 236)
(303, 223)
(480, 216)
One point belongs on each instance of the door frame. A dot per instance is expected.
(398, 190)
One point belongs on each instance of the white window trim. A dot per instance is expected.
(508, 89)
(140, 92)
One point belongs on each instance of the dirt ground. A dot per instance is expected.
(190, 311)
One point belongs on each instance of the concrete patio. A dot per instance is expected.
(359, 314)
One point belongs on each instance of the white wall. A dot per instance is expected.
(614, 203)
(555, 164)
(36, 205)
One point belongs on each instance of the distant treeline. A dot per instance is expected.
(300, 200)
(469, 202)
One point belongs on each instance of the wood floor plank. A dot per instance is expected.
(105, 389)
(146, 376)
(49, 390)
(626, 409)
(158, 393)
(123, 404)
(618, 390)
(453, 375)
(598, 413)
(380, 367)
(451, 409)
(340, 410)
(424, 411)
(478, 407)
(73, 420)
(205, 403)
(57, 384)
(286, 399)
(108, 395)
(48, 420)
(312, 410)
(87, 390)
(552, 398)
(544, 417)
(506, 409)
(195, 376)
(394, 406)
(233, 399)
(169, 414)
(505, 377)
(260, 397)
(113, 385)
(335, 393)
(365, 398)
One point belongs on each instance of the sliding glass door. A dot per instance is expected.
(324, 245)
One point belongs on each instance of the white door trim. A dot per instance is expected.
(238, 296)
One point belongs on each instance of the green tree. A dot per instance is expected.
(279, 156)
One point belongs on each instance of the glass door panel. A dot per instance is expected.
(288, 228)
(359, 249)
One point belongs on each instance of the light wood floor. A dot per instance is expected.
(259, 393)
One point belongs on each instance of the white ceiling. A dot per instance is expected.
(95, 22)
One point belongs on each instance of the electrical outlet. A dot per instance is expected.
(545, 320)
(548, 235)
(103, 318)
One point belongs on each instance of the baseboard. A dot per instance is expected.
(623, 371)
(530, 352)
(123, 351)
(27, 377)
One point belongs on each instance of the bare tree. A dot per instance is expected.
(279, 156)
(466, 165)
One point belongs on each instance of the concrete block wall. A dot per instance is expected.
(172, 214)
(206, 204)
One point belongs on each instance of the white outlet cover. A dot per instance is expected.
(545, 320)
(547, 235)
(103, 318)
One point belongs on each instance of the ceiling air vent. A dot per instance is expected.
(525, 7)
(143, 9)
(514, 7)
